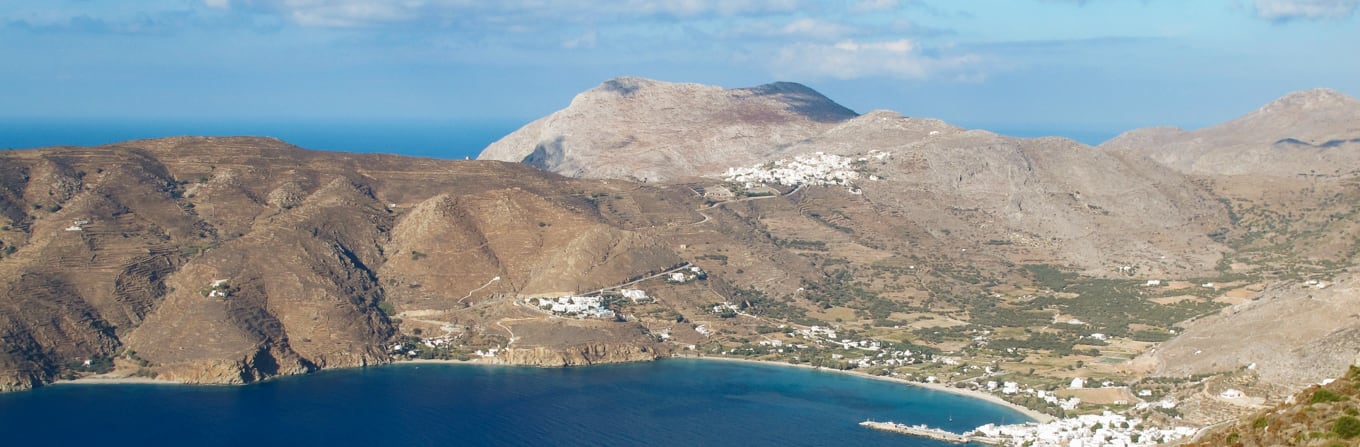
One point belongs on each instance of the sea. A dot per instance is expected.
(670, 402)
(454, 140)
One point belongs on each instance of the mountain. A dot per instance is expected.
(973, 210)
(1308, 132)
(648, 130)
(1052, 198)
(230, 260)
(1043, 198)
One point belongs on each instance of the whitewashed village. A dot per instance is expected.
(816, 169)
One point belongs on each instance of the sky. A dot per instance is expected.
(1013, 65)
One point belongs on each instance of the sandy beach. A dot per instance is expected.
(1037, 416)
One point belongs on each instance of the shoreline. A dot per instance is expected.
(1035, 415)
(115, 380)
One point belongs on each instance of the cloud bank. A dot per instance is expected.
(1285, 10)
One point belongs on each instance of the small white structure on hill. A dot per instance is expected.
(1077, 383)
(219, 289)
(637, 296)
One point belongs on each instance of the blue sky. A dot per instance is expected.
(1068, 65)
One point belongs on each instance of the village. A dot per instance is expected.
(1106, 429)
(816, 169)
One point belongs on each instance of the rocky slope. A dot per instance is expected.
(230, 260)
(1320, 336)
(1051, 198)
(1320, 415)
(1303, 133)
(634, 128)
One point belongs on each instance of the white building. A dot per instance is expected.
(636, 295)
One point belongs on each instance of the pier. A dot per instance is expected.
(919, 430)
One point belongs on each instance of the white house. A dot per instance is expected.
(1077, 383)
(636, 295)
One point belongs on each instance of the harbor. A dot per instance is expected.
(921, 430)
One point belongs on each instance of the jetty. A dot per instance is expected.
(919, 430)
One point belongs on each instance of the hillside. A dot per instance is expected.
(1304, 133)
(228, 260)
(1321, 415)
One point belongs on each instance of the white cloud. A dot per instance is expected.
(352, 13)
(690, 8)
(874, 5)
(1284, 10)
(801, 29)
(816, 29)
(349, 13)
(586, 40)
(849, 59)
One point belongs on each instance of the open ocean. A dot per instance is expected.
(671, 402)
(436, 139)
(453, 140)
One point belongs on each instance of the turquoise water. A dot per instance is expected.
(673, 402)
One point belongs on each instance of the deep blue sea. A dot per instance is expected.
(672, 402)
(422, 138)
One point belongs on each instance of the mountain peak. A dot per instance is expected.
(1311, 99)
(626, 85)
(651, 130)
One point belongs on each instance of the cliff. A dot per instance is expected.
(589, 354)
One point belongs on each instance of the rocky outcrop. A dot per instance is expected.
(581, 355)
(261, 365)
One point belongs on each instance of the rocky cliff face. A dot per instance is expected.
(1309, 132)
(582, 355)
(648, 130)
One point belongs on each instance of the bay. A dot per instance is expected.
(671, 402)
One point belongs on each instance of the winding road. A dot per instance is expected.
(470, 292)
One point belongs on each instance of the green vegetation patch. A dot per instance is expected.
(1346, 427)
(1325, 395)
